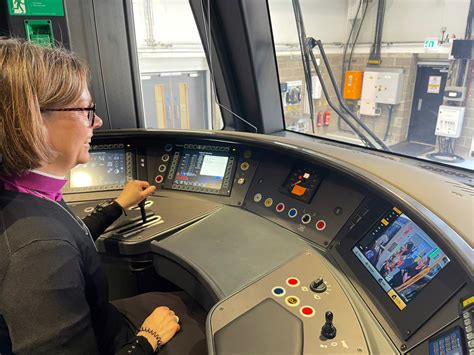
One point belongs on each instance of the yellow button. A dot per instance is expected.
(292, 301)
(268, 202)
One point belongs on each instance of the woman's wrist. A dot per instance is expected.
(153, 337)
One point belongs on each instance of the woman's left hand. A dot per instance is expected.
(134, 192)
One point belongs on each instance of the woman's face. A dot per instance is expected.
(70, 135)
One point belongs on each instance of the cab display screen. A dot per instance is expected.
(105, 167)
(302, 184)
(400, 256)
(201, 169)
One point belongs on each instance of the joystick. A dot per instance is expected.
(142, 210)
(328, 330)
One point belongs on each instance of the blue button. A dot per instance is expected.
(278, 291)
(292, 213)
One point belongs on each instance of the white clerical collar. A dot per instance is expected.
(48, 175)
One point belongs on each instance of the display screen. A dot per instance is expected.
(105, 167)
(201, 169)
(302, 184)
(400, 256)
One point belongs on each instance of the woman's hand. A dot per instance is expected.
(134, 192)
(163, 322)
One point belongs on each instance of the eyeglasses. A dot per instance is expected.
(90, 112)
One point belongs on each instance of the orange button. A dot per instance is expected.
(298, 190)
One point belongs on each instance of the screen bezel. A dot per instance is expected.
(232, 154)
(129, 172)
(431, 298)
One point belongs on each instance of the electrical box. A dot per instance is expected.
(449, 123)
(383, 85)
(317, 88)
(353, 85)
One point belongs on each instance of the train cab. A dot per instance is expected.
(313, 164)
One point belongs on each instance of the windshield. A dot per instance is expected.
(391, 75)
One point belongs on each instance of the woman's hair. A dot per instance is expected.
(33, 78)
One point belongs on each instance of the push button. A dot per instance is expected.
(307, 311)
(321, 225)
(292, 282)
(268, 202)
(280, 207)
(292, 213)
(278, 291)
(292, 301)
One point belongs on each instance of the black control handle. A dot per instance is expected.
(142, 209)
(329, 330)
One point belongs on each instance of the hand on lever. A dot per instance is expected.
(134, 192)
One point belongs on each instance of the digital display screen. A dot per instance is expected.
(201, 169)
(400, 256)
(105, 167)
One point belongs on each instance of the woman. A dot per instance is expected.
(53, 291)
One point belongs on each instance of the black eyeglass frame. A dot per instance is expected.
(90, 112)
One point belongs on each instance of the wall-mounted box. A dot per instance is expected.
(383, 85)
(353, 84)
(450, 119)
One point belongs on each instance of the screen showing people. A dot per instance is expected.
(105, 167)
(400, 256)
(202, 169)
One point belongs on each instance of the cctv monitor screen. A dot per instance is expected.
(401, 257)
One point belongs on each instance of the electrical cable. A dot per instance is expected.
(346, 45)
(357, 34)
(312, 43)
(361, 136)
(389, 123)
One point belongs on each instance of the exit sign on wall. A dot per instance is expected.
(430, 43)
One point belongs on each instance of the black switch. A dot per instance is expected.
(318, 285)
(328, 330)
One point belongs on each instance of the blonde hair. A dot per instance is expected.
(33, 78)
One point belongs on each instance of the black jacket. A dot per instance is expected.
(53, 290)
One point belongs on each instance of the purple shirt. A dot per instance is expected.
(34, 183)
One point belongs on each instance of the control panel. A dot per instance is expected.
(302, 197)
(303, 297)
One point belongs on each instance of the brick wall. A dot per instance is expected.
(290, 69)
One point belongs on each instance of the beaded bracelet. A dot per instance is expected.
(155, 334)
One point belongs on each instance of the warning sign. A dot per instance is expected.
(434, 85)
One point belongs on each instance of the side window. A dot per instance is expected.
(175, 78)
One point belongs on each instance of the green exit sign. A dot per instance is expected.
(430, 43)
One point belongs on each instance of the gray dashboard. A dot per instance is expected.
(275, 202)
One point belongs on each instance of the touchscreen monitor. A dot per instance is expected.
(201, 169)
(400, 256)
(105, 167)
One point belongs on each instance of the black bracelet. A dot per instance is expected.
(155, 334)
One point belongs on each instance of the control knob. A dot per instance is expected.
(318, 285)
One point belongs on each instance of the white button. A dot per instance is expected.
(257, 197)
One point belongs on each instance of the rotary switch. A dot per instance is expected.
(318, 285)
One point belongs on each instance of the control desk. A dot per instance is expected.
(274, 237)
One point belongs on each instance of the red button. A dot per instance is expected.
(320, 225)
(293, 282)
(307, 311)
(159, 179)
(280, 207)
